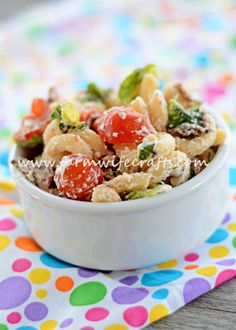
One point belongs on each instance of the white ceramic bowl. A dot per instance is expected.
(131, 234)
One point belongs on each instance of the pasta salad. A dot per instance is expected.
(104, 146)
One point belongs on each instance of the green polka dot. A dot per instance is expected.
(18, 78)
(234, 242)
(87, 294)
(5, 132)
(232, 126)
(36, 31)
(66, 48)
(150, 21)
(3, 327)
(233, 42)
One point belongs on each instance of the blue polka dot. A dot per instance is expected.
(232, 176)
(160, 294)
(26, 328)
(219, 235)
(161, 277)
(4, 157)
(202, 60)
(53, 262)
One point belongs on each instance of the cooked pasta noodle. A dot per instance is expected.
(147, 87)
(140, 106)
(130, 182)
(65, 144)
(51, 130)
(103, 194)
(128, 155)
(164, 143)
(164, 167)
(157, 109)
(94, 141)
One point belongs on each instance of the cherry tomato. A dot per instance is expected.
(34, 124)
(124, 125)
(76, 176)
(38, 107)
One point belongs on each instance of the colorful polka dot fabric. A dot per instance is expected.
(69, 43)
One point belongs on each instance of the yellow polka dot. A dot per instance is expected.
(48, 325)
(17, 212)
(116, 327)
(219, 251)
(157, 312)
(4, 242)
(207, 271)
(227, 116)
(7, 186)
(41, 293)
(39, 275)
(168, 264)
(232, 226)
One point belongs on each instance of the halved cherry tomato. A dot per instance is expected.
(34, 124)
(124, 125)
(76, 176)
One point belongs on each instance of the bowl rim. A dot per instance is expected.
(178, 192)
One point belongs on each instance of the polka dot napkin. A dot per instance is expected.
(70, 43)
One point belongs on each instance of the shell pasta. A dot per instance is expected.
(105, 146)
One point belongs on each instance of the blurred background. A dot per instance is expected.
(69, 43)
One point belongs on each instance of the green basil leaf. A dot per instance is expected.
(129, 87)
(177, 115)
(146, 150)
(95, 93)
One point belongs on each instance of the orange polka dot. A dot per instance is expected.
(189, 267)
(64, 283)
(27, 244)
(234, 197)
(5, 201)
(226, 79)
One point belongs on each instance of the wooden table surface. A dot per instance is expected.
(215, 310)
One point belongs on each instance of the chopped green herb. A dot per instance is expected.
(129, 86)
(146, 150)
(56, 113)
(160, 188)
(95, 93)
(178, 115)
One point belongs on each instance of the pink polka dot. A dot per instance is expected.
(87, 328)
(20, 265)
(191, 257)
(7, 224)
(135, 316)
(14, 317)
(225, 275)
(96, 314)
